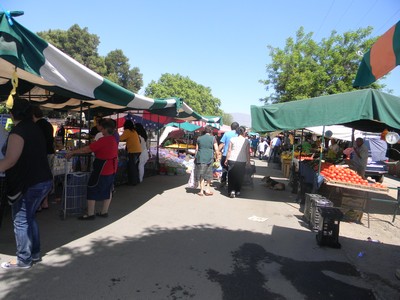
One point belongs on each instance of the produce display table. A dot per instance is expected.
(361, 200)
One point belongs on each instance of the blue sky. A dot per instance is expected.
(220, 44)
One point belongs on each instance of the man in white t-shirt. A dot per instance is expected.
(275, 146)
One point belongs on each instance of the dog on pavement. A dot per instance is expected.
(273, 184)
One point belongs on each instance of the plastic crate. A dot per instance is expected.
(328, 229)
(309, 198)
(315, 215)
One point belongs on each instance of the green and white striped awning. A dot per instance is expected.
(49, 76)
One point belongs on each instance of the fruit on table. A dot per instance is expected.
(345, 175)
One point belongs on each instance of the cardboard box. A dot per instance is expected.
(351, 215)
(357, 203)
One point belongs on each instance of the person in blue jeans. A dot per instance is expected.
(28, 181)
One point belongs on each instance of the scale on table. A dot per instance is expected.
(392, 137)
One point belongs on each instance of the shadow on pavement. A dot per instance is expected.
(56, 232)
(203, 262)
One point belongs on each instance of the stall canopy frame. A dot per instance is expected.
(366, 110)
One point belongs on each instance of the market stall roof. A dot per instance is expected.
(55, 80)
(365, 110)
(184, 126)
(213, 121)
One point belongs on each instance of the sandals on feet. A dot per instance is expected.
(99, 214)
(200, 194)
(208, 193)
(87, 217)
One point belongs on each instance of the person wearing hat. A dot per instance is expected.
(29, 180)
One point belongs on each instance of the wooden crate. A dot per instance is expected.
(286, 163)
(357, 203)
(351, 215)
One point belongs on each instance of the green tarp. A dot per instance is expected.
(366, 110)
(184, 126)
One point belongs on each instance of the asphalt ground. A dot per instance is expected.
(162, 241)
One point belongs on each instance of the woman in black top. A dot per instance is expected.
(29, 180)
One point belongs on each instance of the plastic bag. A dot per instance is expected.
(192, 183)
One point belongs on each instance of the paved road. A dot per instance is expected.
(162, 241)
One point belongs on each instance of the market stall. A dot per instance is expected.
(365, 110)
(35, 70)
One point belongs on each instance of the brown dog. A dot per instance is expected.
(273, 184)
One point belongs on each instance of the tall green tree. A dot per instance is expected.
(78, 43)
(306, 69)
(83, 46)
(197, 96)
(118, 71)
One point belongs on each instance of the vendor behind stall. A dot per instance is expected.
(359, 157)
(333, 149)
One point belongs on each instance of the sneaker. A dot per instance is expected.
(237, 194)
(13, 265)
(233, 194)
(36, 260)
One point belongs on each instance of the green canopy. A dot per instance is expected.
(184, 126)
(55, 80)
(366, 110)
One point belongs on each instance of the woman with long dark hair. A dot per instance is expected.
(29, 180)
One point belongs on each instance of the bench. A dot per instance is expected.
(396, 203)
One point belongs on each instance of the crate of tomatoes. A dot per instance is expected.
(346, 176)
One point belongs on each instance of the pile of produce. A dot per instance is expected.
(344, 175)
(287, 155)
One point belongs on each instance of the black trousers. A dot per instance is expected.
(224, 169)
(133, 168)
(236, 171)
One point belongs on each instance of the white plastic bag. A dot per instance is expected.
(192, 181)
(268, 151)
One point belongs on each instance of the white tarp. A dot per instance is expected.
(339, 132)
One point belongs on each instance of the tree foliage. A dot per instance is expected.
(118, 70)
(306, 69)
(227, 118)
(81, 45)
(197, 96)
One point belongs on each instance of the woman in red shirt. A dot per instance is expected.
(105, 165)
